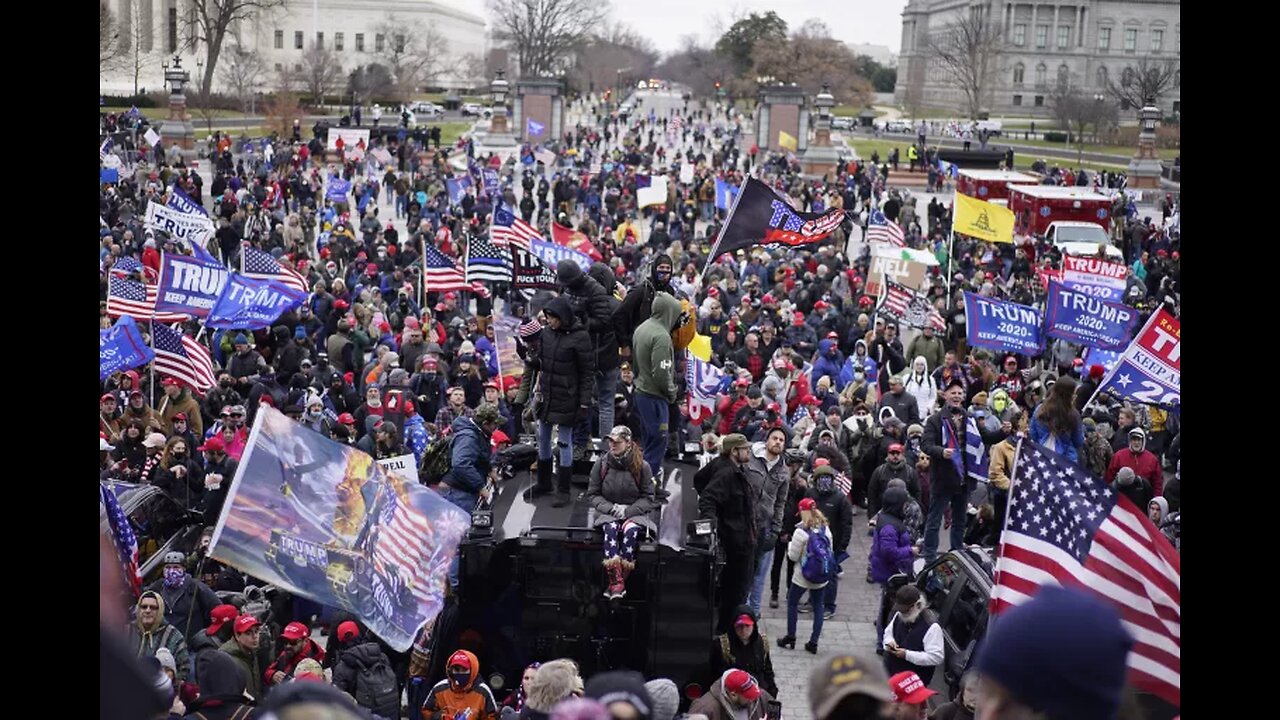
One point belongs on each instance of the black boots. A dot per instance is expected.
(543, 485)
(564, 476)
(811, 647)
(788, 642)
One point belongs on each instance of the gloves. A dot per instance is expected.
(619, 511)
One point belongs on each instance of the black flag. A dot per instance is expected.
(761, 216)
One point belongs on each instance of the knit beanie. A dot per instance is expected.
(665, 696)
(1082, 677)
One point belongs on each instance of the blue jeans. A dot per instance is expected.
(938, 502)
(467, 501)
(606, 384)
(564, 440)
(794, 593)
(763, 565)
(832, 588)
(653, 413)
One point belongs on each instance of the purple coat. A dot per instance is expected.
(890, 552)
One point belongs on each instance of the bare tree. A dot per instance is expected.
(321, 73)
(616, 47)
(809, 58)
(1146, 83)
(544, 33)
(1076, 112)
(243, 74)
(696, 65)
(108, 39)
(138, 36)
(370, 82)
(208, 22)
(472, 69)
(968, 51)
(412, 51)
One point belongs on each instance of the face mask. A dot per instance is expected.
(179, 455)
(173, 576)
(224, 384)
(459, 679)
(314, 414)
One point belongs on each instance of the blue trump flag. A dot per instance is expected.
(121, 347)
(108, 175)
(457, 188)
(1082, 318)
(189, 285)
(182, 202)
(490, 181)
(250, 304)
(535, 128)
(337, 190)
(552, 254)
(303, 507)
(1003, 326)
(725, 194)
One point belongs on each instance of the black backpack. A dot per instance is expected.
(377, 688)
(437, 460)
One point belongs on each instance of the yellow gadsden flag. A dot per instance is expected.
(983, 220)
(787, 141)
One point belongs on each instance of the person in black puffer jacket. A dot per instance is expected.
(607, 360)
(566, 366)
(222, 684)
(356, 654)
(591, 304)
(730, 650)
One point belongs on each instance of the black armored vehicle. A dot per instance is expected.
(531, 588)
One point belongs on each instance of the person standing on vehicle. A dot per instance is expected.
(728, 501)
(187, 601)
(945, 441)
(745, 648)
(812, 521)
(621, 491)
(566, 367)
(461, 695)
(912, 638)
(769, 478)
(654, 360)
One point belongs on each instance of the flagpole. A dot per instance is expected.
(951, 239)
(422, 280)
(711, 257)
(152, 389)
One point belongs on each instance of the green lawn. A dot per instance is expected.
(450, 132)
(1021, 161)
(1165, 153)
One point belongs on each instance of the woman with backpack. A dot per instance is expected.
(810, 550)
(621, 492)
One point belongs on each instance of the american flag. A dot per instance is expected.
(182, 358)
(399, 547)
(442, 273)
(1066, 527)
(122, 537)
(529, 272)
(509, 230)
(487, 262)
(104, 150)
(127, 266)
(677, 123)
(261, 266)
(936, 321)
(137, 300)
(882, 229)
(895, 299)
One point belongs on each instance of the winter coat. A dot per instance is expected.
(612, 482)
(835, 506)
(921, 387)
(1144, 464)
(606, 337)
(796, 550)
(728, 652)
(827, 363)
(444, 703)
(942, 471)
(931, 349)
(566, 365)
(653, 354)
(637, 306)
(178, 603)
(769, 489)
(352, 659)
(471, 457)
(222, 685)
(1000, 466)
(728, 500)
(716, 706)
(249, 662)
(1068, 445)
(880, 478)
(906, 407)
(184, 404)
(145, 643)
(891, 543)
(286, 662)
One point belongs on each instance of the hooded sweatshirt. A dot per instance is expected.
(921, 385)
(145, 642)
(638, 304)
(445, 701)
(753, 656)
(654, 354)
(828, 363)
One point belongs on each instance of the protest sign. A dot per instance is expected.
(686, 173)
(888, 260)
(1082, 318)
(404, 467)
(1094, 276)
(351, 137)
(504, 337)
(1002, 326)
(186, 227)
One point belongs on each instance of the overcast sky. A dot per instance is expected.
(876, 22)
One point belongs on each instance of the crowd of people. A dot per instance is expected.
(826, 414)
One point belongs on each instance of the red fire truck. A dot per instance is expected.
(1036, 206)
(991, 185)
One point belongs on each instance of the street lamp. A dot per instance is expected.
(500, 87)
(499, 133)
(1149, 114)
(824, 102)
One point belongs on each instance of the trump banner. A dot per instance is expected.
(1094, 276)
(250, 304)
(120, 347)
(1150, 369)
(704, 382)
(324, 521)
(188, 227)
(552, 254)
(337, 190)
(1082, 318)
(351, 137)
(761, 216)
(189, 284)
(1002, 326)
(457, 188)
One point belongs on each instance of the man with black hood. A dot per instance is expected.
(222, 683)
(591, 303)
(745, 647)
(607, 360)
(637, 306)
(566, 372)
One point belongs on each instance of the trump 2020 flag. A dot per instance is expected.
(121, 347)
(324, 521)
(189, 283)
(1066, 527)
(1150, 370)
(761, 216)
(457, 188)
(251, 304)
(973, 461)
(704, 381)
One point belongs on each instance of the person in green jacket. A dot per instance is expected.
(243, 648)
(653, 356)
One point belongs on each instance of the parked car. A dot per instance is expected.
(897, 126)
(427, 109)
(475, 110)
(160, 523)
(841, 123)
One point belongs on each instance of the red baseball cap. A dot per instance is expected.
(807, 504)
(821, 305)
(908, 688)
(221, 615)
(294, 631)
(169, 381)
(819, 462)
(493, 384)
(214, 443)
(347, 419)
(107, 396)
(347, 630)
(459, 659)
(245, 623)
(371, 270)
(498, 437)
(896, 447)
(341, 304)
(180, 416)
(510, 382)
(745, 619)
(741, 682)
